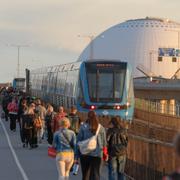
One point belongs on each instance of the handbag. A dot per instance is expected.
(51, 152)
(38, 123)
(89, 145)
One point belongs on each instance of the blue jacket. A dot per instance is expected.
(64, 140)
(85, 133)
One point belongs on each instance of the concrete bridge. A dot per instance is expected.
(157, 88)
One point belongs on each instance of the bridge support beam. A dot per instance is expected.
(172, 106)
(163, 106)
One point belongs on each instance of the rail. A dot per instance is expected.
(162, 107)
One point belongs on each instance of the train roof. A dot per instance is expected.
(57, 68)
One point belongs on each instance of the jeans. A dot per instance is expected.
(13, 118)
(90, 167)
(64, 162)
(116, 167)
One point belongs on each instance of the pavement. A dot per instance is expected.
(18, 163)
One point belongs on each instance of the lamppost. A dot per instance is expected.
(91, 37)
(18, 61)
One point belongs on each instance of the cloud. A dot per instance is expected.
(51, 27)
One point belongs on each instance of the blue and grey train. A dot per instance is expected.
(105, 86)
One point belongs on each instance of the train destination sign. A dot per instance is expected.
(104, 65)
(166, 52)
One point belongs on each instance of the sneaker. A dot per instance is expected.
(35, 146)
(24, 145)
(49, 145)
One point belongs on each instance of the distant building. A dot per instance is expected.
(151, 45)
(2, 85)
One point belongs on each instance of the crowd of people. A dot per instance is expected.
(63, 132)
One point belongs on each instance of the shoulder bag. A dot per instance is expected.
(89, 145)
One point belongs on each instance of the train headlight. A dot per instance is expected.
(118, 107)
(92, 107)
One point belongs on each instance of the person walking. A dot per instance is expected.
(117, 141)
(13, 111)
(58, 117)
(91, 162)
(41, 111)
(64, 142)
(5, 101)
(22, 109)
(74, 119)
(48, 118)
(175, 175)
(28, 125)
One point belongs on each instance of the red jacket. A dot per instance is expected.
(12, 108)
(55, 121)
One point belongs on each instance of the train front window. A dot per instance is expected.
(105, 85)
(105, 81)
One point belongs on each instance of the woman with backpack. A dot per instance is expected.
(117, 141)
(91, 162)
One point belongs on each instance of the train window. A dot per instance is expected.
(71, 83)
(118, 83)
(105, 85)
(106, 81)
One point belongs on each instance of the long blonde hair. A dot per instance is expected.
(64, 123)
(30, 109)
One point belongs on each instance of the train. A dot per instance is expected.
(19, 84)
(104, 86)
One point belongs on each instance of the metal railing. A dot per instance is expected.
(163, 107)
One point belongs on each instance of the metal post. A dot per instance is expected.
(18, 60)
(178, 49)
(18, 63)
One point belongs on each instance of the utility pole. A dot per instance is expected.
(18, 60)
(91, 37)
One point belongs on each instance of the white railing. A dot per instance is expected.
(163, 107)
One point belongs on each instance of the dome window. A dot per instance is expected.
(174, 59)
(160, 58)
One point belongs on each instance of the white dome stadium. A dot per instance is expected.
(140, 42)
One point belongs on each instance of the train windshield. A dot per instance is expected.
(106, 81)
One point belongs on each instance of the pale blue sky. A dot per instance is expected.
(50, 28)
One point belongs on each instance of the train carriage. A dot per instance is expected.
(105, 86)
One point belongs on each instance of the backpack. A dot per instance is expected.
(117, 142)
(38, 123)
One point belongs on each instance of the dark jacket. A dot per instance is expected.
(75, 122)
